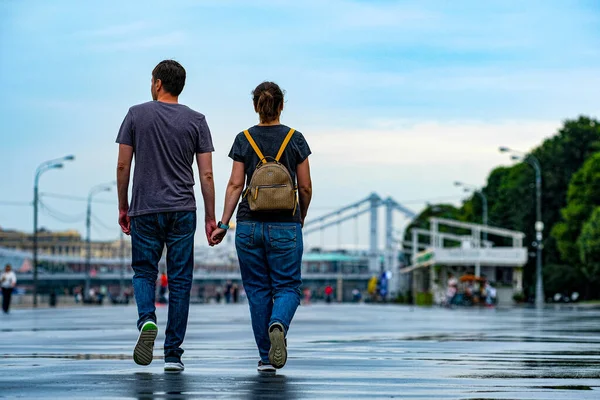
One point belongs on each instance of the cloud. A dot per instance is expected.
(427, 145)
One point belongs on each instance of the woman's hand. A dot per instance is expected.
(217, 236)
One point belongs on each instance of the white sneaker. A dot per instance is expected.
(173, 365)
(266, 368)
(144, 348)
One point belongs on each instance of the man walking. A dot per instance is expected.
(8, 281)
(165, 137)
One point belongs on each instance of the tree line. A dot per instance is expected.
(570, 162)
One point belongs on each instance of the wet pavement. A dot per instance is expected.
(338, 351)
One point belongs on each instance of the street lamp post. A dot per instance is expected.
(484, 202)
(43, 167)
(88, 259)
(539, 224)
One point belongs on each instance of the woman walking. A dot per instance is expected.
(272, 160)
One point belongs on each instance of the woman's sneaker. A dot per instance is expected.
(173, 365)
(144, 348)
(278, 351)
(265, 368)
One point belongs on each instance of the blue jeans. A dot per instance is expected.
(270, 255)
(149, 234)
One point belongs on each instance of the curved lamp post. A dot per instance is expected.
(539, 225)
(88, 259)
(43, 167)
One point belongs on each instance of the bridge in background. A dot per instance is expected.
(371, 206)
(220, 263)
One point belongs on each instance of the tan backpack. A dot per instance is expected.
(271, 186)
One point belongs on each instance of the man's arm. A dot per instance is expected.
(304, 188)
(207, 185)
(123, 173)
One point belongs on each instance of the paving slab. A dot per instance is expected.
(338, 351)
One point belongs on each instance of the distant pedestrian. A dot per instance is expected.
(165, 138)
(228, 287)
(307, 295)
(162, 291)
(328, 293)
(77, 294)
(372, 288)
(490, 294)
(8, 281)
(235, 293)
(272, 159)
(382, 286)
(452, 289)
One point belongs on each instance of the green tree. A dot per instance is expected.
(589, 250)
(511, 190)
(582, 197)
(561, 156)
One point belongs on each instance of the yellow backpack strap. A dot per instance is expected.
(255, 147)
(285, 143)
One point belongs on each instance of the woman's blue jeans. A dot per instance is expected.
(270, 257)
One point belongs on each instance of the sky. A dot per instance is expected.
(400, 98)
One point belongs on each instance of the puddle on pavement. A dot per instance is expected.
(535, 375)
(465, 338)
(566, 387)
(75, 356)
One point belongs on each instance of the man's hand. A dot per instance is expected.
(125, 222)
(209, 226)
(217, 236)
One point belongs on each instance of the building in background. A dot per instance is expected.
(62, 243)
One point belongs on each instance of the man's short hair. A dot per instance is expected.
(172, 76)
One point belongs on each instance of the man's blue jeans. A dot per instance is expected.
(149, 234)
(270, 256)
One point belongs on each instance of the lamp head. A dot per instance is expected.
(503, 149)
(70, 157)
(457, 183)
(516, 158)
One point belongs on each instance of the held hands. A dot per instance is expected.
(217, 236)
(209, 227)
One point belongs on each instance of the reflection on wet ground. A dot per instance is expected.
(337, 351)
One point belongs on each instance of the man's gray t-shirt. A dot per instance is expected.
(165, 138)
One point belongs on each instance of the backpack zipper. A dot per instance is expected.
(272, 186)
(267, 187)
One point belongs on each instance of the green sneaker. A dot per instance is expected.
(143, 351)
(278, 351)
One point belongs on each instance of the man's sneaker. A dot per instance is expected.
(173, 365)
(143, 351)
(265, 368)
(278, 351)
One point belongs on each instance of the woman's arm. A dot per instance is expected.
(304, 188)
(232, 196)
